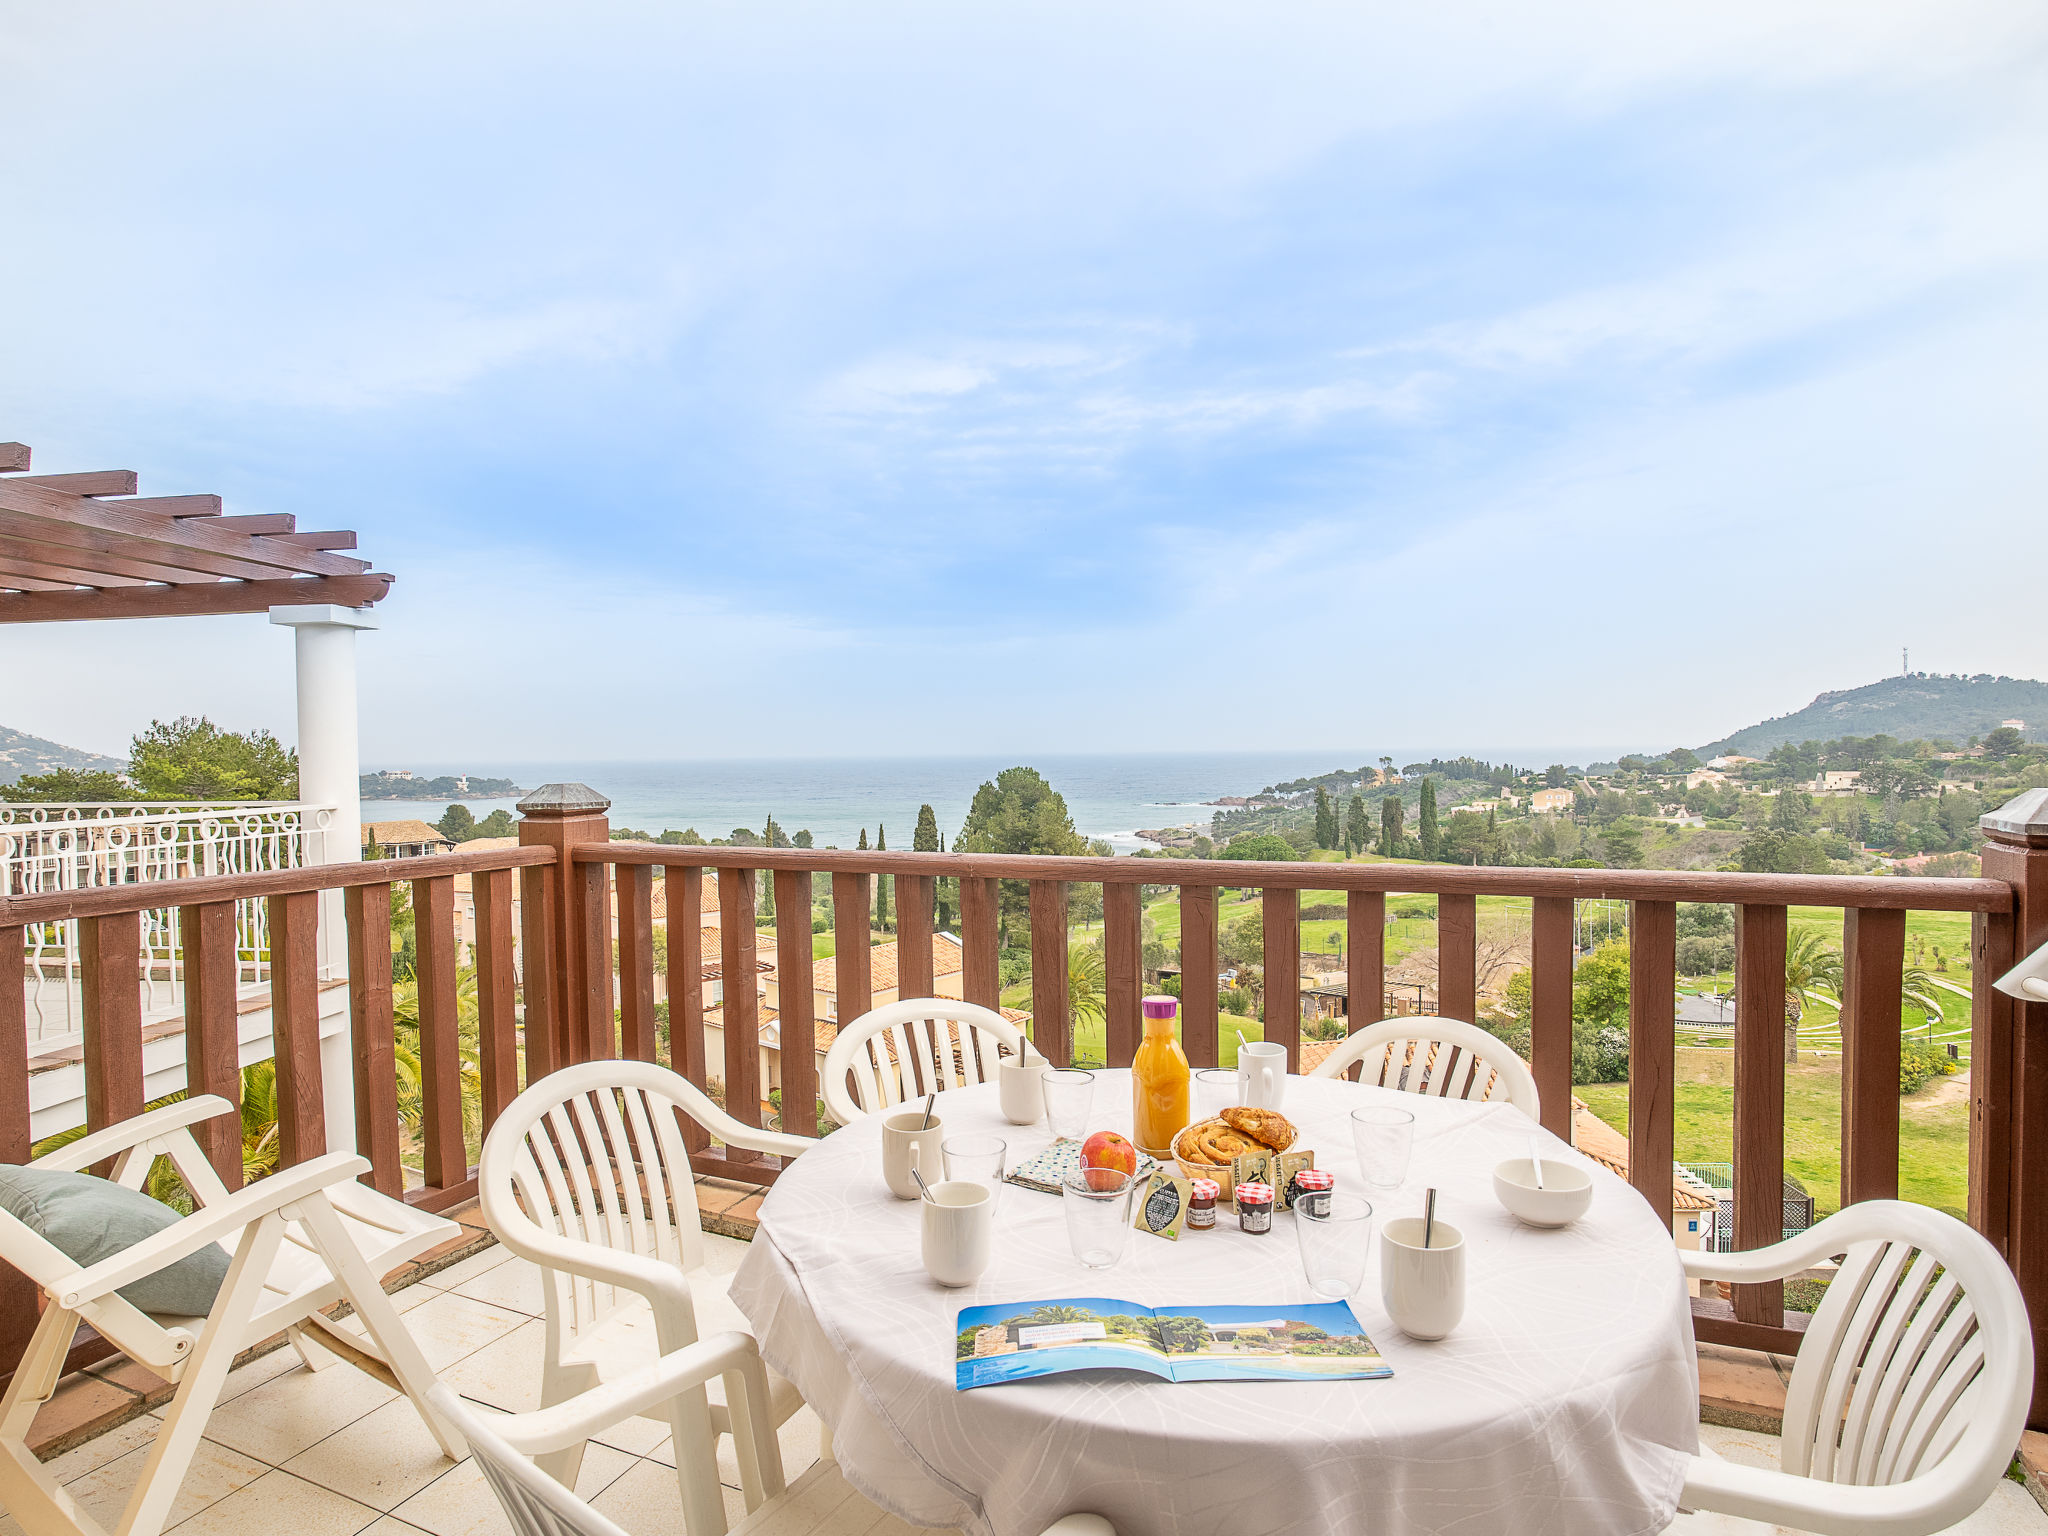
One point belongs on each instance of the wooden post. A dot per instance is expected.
(376, 1058)
(2016, 851)
(1280, 912)
(497, 1023)
(739, 978)
(1457, 957)
(1550, 1022)
(914, 962)
(796, 986)
(1051, 1021)
(1873, 962)
(683, 889)
(1760, 1100)
(981, 976)
(446, 1154)
(110, 983)
(18, 1293)
(1198, 975)
(1123, 957)
(207, 938)
(1365, 964)
(853, 964)
(562, 817)
(1652, 1036)
(295, 1025)
(633, 888)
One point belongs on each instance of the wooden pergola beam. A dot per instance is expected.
(13, 456)
(174, 506)
(92, 482)
(74, 519)
(334, 538)
(162, 560)
(191, 598)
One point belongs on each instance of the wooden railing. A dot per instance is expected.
(583, 899)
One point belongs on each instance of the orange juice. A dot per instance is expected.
(1159, 1082)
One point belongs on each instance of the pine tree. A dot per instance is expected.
(1425, 822)
(1357, 828)
(1326, 819)
(881, 881)
(926, 838)
(1390, 826)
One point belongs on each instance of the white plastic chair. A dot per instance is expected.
(820, 1503)
(906, 1050)
(1910, 1389)
(302, 1239)
(586, 1174)
(1447, 1058)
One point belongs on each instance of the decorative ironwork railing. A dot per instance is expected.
(45, 849)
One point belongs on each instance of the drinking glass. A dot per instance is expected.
(975, 1160)
(1333, 1245)
(1217, 1089)
(1383, 1138)
(1069, 1099)
(1098, 1205)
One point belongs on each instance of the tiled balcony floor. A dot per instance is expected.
(334, 1453)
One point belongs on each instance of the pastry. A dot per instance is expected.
(1211, 1141)
(1267, 1127)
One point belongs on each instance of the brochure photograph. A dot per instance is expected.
(1294, 1341)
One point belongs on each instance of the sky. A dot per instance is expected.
(785, 379)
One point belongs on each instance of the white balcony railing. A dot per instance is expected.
(47, 848)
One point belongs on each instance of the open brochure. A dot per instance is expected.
(1298, 1341)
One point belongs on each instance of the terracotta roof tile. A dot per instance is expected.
(409, 830)
(883, 961)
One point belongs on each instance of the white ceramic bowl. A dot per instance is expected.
(1567, 1191)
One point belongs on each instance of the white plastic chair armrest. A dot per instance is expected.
(1080, 1525)
(753, 1138)
(99, 1145)
(208, 1224)
(1932, 1501)
(1800, 1251)
(585, 1414)
(659, 1282)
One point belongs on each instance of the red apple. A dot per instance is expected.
(1106, 1149)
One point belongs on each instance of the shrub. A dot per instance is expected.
(1703, 956)
(1324, 911)
(1920, 1063)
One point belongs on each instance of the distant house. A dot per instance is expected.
(1701, 776)
(407, 839)
(1550, 800)
(1835, 781)
(2012, 725)
(1729, 760)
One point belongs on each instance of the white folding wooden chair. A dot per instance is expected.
(586, 1174)
(906, 1050)
(1910, 1389)
(1446, 1058)
(304, 1238)
(820, 1503)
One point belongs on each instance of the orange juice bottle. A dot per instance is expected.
(1159, 1082)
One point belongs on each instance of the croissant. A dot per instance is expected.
(1211, 1141)
(1267, 1127)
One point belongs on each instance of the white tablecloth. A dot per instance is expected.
(1564, 1405)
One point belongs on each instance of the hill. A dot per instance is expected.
(22, 753)
(1920, 704)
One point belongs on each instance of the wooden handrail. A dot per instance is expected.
(142, 895)
(1914, 892)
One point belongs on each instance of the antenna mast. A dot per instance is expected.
(1904, 670)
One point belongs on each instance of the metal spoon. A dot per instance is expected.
(1536, 1159)
(925, 1189)
(1428, 1216)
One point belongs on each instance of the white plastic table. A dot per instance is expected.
(1564, 1405)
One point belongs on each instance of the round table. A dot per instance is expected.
(1565, 1403)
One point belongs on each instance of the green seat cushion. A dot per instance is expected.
(89, 1219)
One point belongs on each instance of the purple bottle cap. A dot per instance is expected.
(1160, 1007)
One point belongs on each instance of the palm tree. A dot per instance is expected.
(1811, 964)
(1087, 983)
(405, 1017)
(1053, 1312)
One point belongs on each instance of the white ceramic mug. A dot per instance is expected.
(1017, 1087)
(1265, 1068)
(1423, 1289)
(906, 1140)
(956, 1231)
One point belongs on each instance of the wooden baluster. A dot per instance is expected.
(737, 895)
(684, 888)
(1123, 966)
(1282, 913)
(1365, 967)
(1992, 1079)
(295, 1025)
(18, 1293)
(1051, 1015)
(207, 941)
(1550, 1012)
(539, 988)
(1198, 974)
(796, 986)
(497, 1022)
(1652, 1036)
(1873, 966)
(373, 1034)
(447, 1158)
(980, 971)
(1760, 1100)
(852, 924)
(634, 885)
(914, 963)
(600, 1033)
(110, 980)
(1457, 957)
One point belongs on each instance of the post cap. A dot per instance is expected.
(565, 800)
(2024, 816)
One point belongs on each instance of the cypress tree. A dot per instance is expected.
(1357, 829)
(1326, 820)
(1425, 823)
(1390, 826)
(926, 838)
(881, 881)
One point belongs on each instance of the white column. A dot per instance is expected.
(330, 773)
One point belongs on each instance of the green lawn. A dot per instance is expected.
(1934, 1139)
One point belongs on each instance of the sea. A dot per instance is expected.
(1111, 796)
